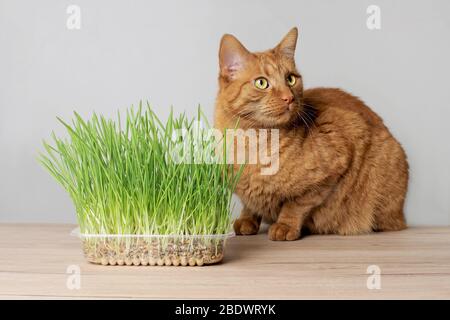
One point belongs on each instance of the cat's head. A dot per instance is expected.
(261, 88)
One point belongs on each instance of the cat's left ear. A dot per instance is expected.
(288, 44)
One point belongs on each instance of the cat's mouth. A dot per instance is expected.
(279, 116)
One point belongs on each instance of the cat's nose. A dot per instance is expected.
(288, 98)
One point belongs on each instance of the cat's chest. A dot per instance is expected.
(259, 194)
(264, 191)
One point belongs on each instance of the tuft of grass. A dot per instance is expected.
(122, 179)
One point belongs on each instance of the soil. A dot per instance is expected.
(153, 252)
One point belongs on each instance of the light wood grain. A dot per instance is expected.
(414, 263)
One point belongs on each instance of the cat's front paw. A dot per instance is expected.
(246, 226)
(280, 232)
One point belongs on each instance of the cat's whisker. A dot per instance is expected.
(304, 121)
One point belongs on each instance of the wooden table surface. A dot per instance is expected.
(415, 263)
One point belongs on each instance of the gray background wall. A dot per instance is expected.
(166, 51)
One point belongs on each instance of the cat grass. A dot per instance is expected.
(135, 205)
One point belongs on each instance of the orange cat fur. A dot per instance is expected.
(340, 169)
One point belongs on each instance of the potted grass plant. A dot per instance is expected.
(136, 203)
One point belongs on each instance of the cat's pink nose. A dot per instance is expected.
(288, 98)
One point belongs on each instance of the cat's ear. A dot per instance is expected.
(232, 56)
(288, 44)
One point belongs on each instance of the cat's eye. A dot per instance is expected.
(291, 80)
(261, 83)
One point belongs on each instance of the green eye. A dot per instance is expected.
(261, 83)
(291, 80)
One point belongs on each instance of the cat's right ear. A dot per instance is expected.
(232, 57)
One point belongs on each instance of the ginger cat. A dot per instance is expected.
(340, 169)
